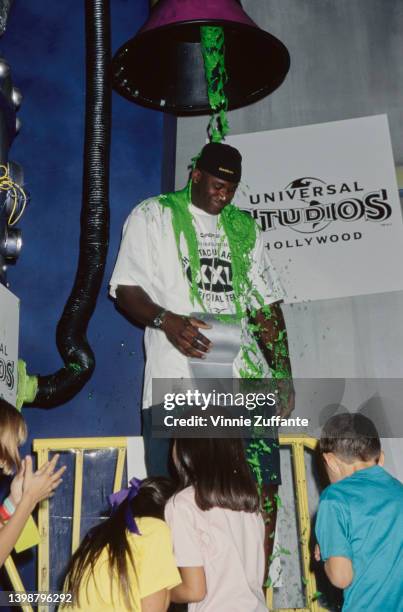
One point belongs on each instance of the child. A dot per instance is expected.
(217, 528)
(27, 488)
(126, 563)
(359, 525)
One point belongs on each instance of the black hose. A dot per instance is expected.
(71, 334)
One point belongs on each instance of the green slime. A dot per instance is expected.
(213, 50)
(240, 231)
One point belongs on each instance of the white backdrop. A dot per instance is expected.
(326, 198)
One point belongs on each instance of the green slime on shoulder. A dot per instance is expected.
(240, 231)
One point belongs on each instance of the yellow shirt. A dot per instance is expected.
(155, 570)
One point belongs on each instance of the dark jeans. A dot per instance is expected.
(157, 451)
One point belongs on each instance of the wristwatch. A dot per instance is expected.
(159, 319)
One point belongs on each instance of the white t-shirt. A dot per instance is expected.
(148, 257)
(230, 547)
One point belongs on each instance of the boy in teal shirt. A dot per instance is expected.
(359, 526)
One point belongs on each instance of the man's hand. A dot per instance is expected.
(183, 333)
(316, 553)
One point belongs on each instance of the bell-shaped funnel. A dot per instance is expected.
(162, 66)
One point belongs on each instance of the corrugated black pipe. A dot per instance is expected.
(71, 338)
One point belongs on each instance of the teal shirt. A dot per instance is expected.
(361, 518)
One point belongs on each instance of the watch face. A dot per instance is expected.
(159, 319)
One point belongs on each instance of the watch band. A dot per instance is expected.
(159, 319)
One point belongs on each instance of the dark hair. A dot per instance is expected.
(13, 433)
(218, 471)
(112, 533)
(351, 437)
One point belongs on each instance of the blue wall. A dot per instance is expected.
(44, 43)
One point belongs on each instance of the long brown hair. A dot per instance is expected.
(13, 433)
(112, 534)
(218, 471)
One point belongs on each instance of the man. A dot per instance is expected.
(193, 251)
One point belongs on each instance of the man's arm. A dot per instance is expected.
(181, 331)
(272, 337)
(137, 304)
(272, 334)
(193, 587)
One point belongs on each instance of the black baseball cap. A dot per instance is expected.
(222, 161)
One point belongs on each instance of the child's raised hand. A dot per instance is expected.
(317, 553)
(41, 484)
(16, 485)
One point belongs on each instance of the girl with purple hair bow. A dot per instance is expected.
(126, 562)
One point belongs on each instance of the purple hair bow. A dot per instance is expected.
(116, 499)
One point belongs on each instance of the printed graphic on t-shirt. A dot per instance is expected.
(215, 278)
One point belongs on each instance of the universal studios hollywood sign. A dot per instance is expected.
(326, 199)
